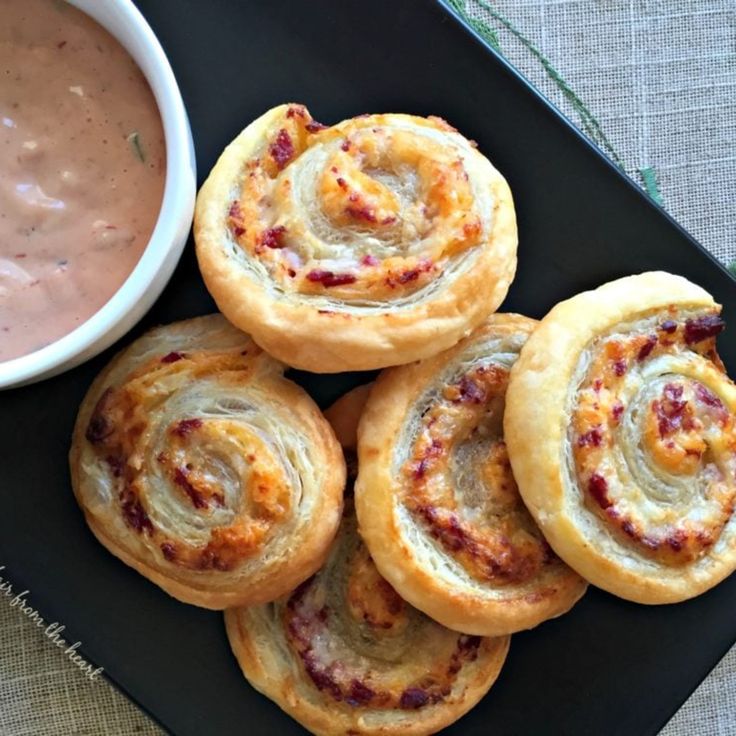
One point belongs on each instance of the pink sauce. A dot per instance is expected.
(82, 167)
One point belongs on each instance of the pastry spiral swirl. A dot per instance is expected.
(198, 464)
(437, 503)
(344, 654)
(374, 242)
(620, 426)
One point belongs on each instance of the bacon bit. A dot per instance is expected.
(328, 278)
(394, 602)
(467, 651)
(707, 397)
(467, 643)
(390, 220)
(593, 438)
(361, 213)
(99, 427)
(650, 543)
(61, 44)
(116, 465)
(410, 275)
(413, 698)
(291, 273)
(341, 182)
(295, 111)
(619, 367)
(597, 384)
(407, 276)
(173, 357)
(617, 411)
(282, 149)
(273, 237)
(359, 694)
(181, 479)
(433, 450)
(209, 560)
(676, 541)
(169, 551)
(413, 274)
(646, 348)
(672, 391)
(449, 530)
(234, 212)
(628, 528)
(671, 411)
(321, 679)
(369, 260)
(186, 426)
(314, 127)
(668, 326)
(470, 391)
(598, 488)
(420, 469)
(134, 514)
(235, 216)
(701, 328)
(345, 146)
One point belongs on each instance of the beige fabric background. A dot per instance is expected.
(660, 76)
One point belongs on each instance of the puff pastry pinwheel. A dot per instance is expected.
(620, 428)
(198, 464)
(436, 500)
(374, 242)
(344, 654)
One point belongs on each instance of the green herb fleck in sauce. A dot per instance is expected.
(135, 143)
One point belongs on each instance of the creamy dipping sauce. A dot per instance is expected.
(82, 168)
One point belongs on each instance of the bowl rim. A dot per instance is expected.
(168, 238)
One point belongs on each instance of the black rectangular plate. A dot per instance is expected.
(609, 667)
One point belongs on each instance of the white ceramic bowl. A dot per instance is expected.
(123, 20)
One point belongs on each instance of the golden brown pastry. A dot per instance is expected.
(437, 503)
(374, 242)
(620, 429)
(198, 464)
(344, 654)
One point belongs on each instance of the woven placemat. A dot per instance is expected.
(659, 76)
